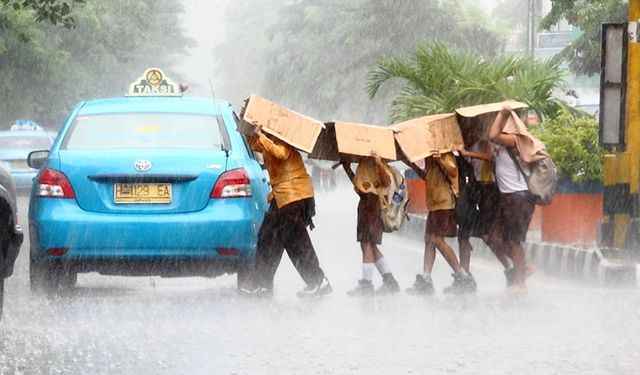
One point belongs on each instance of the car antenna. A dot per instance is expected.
(223, 130)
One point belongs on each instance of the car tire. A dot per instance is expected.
(1, 296)
(50, 278)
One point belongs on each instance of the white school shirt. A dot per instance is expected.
(508, 176)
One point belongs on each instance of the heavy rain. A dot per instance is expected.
(571, 306)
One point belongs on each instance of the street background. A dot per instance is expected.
(151, 325)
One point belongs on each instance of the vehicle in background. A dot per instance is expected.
(11, 235)
(15, 146)
(149, 184)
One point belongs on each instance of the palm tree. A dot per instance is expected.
(440, 79)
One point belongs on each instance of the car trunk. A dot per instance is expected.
(178, 180)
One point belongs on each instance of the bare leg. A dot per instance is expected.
(447, 252)
(429, 255)
(465, 248)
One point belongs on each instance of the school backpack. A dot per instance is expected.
(393, 202)
(543, 179)
(467, 204)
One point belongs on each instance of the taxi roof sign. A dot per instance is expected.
(154, 83)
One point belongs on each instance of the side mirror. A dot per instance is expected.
(36, 158)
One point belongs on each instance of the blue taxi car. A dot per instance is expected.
(148, 184)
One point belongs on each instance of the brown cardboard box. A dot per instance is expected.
(420, 137)
(487, 108)
(292, 127)
(362, 140)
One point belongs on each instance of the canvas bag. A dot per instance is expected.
(393, 201)
(543, 179)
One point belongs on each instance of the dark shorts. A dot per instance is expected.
(480, 225)
(369, 222)
(514, 216)
(442, 223)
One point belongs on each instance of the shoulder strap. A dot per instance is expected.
(515, 161)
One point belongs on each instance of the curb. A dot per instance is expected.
(583, 264)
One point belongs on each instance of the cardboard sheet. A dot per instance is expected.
(292, 127)
(420, 137)
(487, 108)
(362, 139)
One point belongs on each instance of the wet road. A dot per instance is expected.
(118, 325)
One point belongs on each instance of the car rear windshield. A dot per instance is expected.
(143, 130)
(24, 143)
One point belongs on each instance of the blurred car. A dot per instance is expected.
(10, 232)
(15, 145)
(145, 185)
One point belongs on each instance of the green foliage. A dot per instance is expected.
(57, 12)
(583, 54)
(316, 53)
(44, 74)
(572, 143)
(439, 79)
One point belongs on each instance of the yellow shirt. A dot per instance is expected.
(440, 187)
(366, 178)
(289, 179)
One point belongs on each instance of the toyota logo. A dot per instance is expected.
(142, 165)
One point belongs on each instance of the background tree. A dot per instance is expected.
(439, 79)
(53, 11)
(112, 43)
(583, 54)
(318, 52)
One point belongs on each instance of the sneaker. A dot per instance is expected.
(320, 289)
(259, 292)
(389, 285)
(364, 288)
(421, 286)
(462, 283)
(519, 288)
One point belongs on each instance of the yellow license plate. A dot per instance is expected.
(142, 193)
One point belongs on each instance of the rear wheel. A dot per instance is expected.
(50, 278)
(1, 296)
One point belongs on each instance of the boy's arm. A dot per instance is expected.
(496, 134)
(346, 165)
(420, 172)
(279, 150)
(448, 164)
(381, 171)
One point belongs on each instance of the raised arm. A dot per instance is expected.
(419, 171)
(381, 171)
(279, 150)
(346, 165)
(496, 134)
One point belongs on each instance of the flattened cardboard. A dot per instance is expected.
(292, 127)
(490, 107)
(421, 137)
(362, 140)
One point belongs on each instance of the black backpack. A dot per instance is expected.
(467, 209)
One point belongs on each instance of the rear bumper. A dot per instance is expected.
(127, 242)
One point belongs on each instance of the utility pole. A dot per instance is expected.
(531, 27)
(621, 229)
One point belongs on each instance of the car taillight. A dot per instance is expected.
(232, 184)
(54, 184)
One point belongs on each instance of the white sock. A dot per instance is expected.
(426, 276)
(383, 266)
(367, 271)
